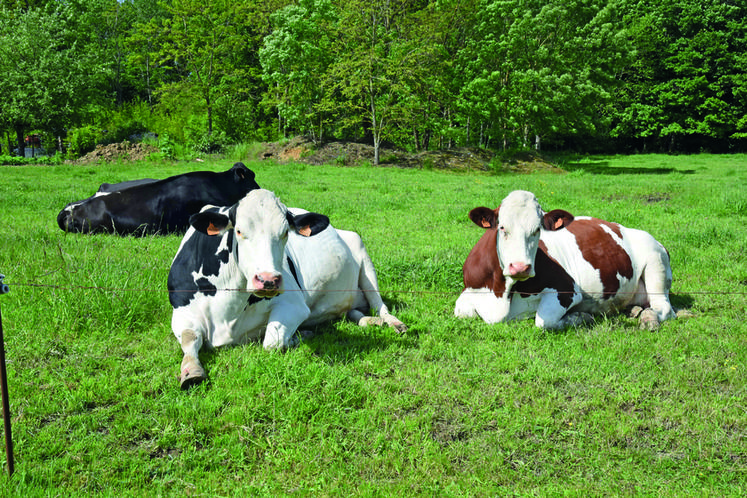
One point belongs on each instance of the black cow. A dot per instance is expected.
(114, 187)
(161, 206)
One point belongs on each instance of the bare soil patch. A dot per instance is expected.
(125, 151)
(354, 154)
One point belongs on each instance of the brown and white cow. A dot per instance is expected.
(560, 268)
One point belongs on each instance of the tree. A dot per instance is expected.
(375, 66)
(47, 80)
(542, 68)
(687, 87)
(295, 58)
(198, 39)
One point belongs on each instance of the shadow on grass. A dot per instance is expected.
(681, 301)
(604, 168)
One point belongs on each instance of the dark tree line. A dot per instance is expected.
(590, 75)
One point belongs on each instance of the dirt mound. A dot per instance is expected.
(528, 162)
(352, 154)
(125, 151)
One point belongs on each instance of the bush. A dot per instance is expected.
(82, 140)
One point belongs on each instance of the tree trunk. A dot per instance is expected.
(21, 143)
(209, 114)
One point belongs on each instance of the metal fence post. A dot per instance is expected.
(4, 289)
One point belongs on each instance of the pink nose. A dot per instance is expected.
(267, 283)
(519, 270)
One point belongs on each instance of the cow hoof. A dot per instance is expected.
(649, 320)
(192, 372)
(635, 311)
(400, 327)
(371, 320)
(192, 377)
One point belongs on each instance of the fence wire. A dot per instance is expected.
(396, 291)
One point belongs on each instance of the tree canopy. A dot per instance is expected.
(591, 75)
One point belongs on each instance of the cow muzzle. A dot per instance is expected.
(519, 271)
(267, 284)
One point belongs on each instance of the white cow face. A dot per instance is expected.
(518, 221)
(260, 224)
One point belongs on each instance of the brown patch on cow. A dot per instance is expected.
(482, 268)
(603, 253)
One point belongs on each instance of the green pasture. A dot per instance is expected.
(451, 408)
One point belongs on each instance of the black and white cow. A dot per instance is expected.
(156, 206)
(260, 270)
(560, 268)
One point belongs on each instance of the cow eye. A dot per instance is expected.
(238, 232)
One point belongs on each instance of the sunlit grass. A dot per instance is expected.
(453, 407)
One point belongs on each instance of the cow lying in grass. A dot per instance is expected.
(260, 270)
(561, 268)
(148, 206)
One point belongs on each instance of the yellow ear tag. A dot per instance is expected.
(212, 230)
(558, 223)
(305, 231)
(484, 223)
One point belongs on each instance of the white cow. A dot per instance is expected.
(258, 269)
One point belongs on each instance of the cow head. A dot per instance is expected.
(261, 224)
(86, 216)
(518, 222)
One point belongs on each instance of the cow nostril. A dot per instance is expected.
(519, 268)
(267, 281)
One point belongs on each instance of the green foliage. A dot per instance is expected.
(687, 85)
(295, 58)
(50, 81)
(451, 408)
(81, 141)
(166, 146)
(6, 160)
(585, 74)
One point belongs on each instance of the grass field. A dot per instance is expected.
(451, 408)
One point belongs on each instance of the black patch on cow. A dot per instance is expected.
(206, 287)
(199, 251)
(254, 300)
(549, 275)
(293, 271)
(226, 252)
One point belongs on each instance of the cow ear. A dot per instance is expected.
(556, 219)
(241, 172)
(210, 222)
(484, 217)
(308, 224)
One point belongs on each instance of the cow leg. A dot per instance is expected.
(551, 314)
(283, 323)
(656, 282)
(192, 372)
(483, 303)
(369, 285)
